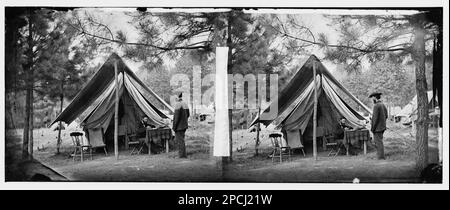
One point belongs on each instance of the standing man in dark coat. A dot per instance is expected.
(180, 124)
(378, 123)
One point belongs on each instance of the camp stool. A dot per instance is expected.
(276, 138)
(137, 147)
(137, 144)
(335, 147)
(79, 146)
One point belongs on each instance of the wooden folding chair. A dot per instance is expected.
(80, 146)
(332, 143)
(276, 140)
(136, 143)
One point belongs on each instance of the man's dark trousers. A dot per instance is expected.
(179, 139)
(378, 139)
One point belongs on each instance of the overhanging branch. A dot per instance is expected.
(344, 46)
(188, 47)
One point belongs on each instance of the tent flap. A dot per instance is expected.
(102, 115)
(352, 119)
(142, 103)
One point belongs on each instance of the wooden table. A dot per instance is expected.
(356, 136)
(165, 134)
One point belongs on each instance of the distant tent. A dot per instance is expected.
(410, 109)
(94, 104)
(296, 105)
(394, 110)
(431, 104)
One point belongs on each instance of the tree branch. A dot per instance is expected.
(82, 31)
(104, 26)
(341, 46)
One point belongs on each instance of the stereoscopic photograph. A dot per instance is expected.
(224, 94)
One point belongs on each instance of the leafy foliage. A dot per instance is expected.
(368, 38)
(55, 60)
(388, 77)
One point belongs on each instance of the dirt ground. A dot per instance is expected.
(201, 166)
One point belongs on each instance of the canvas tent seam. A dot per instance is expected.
(103, 120)
(306, 98)
(135, 83)
(304, 117)
(101, 99)
(151, 92)
(285, 93)
(344, 111)
(335, 82)
(148, 110)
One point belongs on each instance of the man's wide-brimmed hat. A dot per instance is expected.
(375, 94)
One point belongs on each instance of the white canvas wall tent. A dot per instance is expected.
(409, 111)
(431, 105)
(94, 104)
(296, 104)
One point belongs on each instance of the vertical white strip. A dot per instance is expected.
(197, 88)
(221, 128)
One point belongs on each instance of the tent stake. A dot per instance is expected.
(116, 114)
(315, 114)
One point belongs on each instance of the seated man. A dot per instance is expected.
(143, 125)
(344, 125)
(142, 131)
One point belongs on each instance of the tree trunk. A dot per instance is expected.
(31, 127)
(58, 143)
(26, 121)
(10, 109)
(422, 100)
(28, 99)
(11, 117)
(31, 87)
(230, 71)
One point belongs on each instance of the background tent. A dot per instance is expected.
(296, 104)
(431, 103)
(94, 104)
(410, 109)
